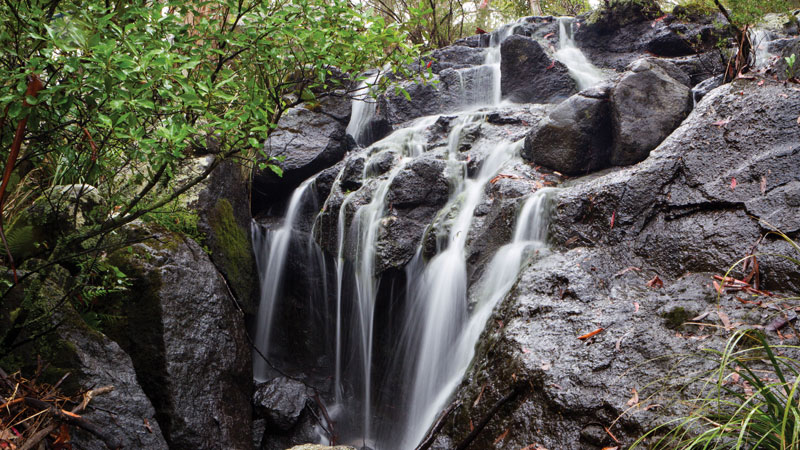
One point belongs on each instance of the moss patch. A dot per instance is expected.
(231, 249)
(676, 317)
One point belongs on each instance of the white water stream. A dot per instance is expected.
(580, 68)
(440, 325)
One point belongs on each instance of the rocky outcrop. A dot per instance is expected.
(685, 213)
(576, 137)
(529, 75)
(306, 141)
(647, 104)
(187, 342)
(615, 36)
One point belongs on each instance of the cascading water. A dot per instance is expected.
(439, 325)
(271, 249)
(582, 71)
(363, 112)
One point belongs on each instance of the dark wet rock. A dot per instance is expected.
(620, 14)
(474, 41)
(699, 67)
(537, 27)
(675, 215)
(222, 205)
(529, 75)
(575, 138)
(647, 104)
(644, 30)
(353, 173)
(310, 141)
(456, 57)
(422, 183)
(281, 402)
(187, 342)
(678, 206)
(380, 163)
(530, 346)
(122, 412)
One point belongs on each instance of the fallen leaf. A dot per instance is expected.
(651, 406)
(613, 216)
(428, 66)
(634, 400)
(726, 322)
(763, 184)
(798, 120)
(471, 426)
(635, 307)
(548, 35)
(721, 123)
(626, 270)
(717, 287)
(700, 317)
(525, 350)
(761, 83)
(612, 436)
(502, 436)
(655, 283)
(480, 394)
(588, 335)
(733, 183)
(610, 448)
(546, 365)
(552, 64)
(147, 426)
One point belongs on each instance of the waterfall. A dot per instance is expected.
(439, 325)
(363, 112)
(271, 249)
(449, 333)
(759, 38)
(582, 71)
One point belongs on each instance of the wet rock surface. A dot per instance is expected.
(577, 136)
(529, 75)
(646, 105)
(310, 140)
(125, 413)
(187, 342)
(677, 216)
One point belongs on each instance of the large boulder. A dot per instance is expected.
(576, 137)
(307, 140)
(187, 342)
(646, 105)
(529, 75)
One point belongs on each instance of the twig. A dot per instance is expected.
(518, 389)
(437, 427)
(71, 418)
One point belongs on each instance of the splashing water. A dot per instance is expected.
(582, 71)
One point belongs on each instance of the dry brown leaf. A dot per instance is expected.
(733, 183)
(763, 184)
(502, 436)
(726, 322)
(633, 400)
(655, 283)
(635, 307)
(590, 334)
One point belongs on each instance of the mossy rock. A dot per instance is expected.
(676, 317)
(31, 319)
(618, 13)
